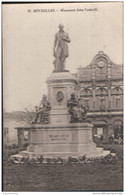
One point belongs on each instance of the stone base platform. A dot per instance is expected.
(64, 140)
(99, 153)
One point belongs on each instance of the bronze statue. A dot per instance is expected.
(72, 104)
(42, 113)
(60, 50)
(77, 109)
(82, 110)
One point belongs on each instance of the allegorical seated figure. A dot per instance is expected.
(42, 111)
(82, 110)
(77, 109)
(72, 104)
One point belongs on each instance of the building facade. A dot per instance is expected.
(100, 85)
(10, 133)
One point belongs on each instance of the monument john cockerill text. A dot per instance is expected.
(60, 50)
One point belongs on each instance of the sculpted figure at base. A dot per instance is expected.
(42, 111)
(82, 110)
(60, 50)
(77, 109)
(72, 104)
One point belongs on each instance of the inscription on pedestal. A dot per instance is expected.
(59, 137)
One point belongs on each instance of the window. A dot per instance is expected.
(86, 102)
(102, 103)
(6, 131)
(117, 101)
(99, 131)
(25, 135)
(118, 129)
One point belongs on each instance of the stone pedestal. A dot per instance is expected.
(60, 138)
(74, 140)
(60, 87)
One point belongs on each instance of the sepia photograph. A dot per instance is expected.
(62, 70)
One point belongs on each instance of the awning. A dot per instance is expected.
(99, 123)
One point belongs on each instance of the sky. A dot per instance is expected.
(28, 38)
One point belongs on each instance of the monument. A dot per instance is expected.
(59, 128)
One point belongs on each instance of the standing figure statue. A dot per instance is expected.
(60, 50)
(42, 111)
